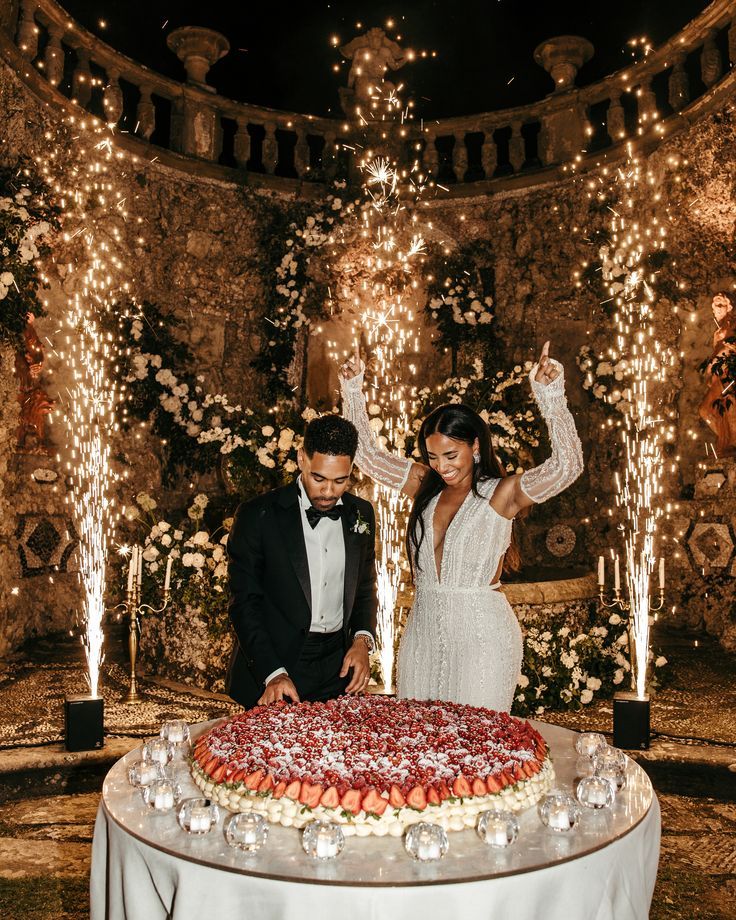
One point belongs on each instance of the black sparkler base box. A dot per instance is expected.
(630, 721)
(83, 723)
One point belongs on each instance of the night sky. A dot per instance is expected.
(281, 54)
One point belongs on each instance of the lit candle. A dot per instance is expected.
(139, 577)
(167, 577)
(601, 571)
(428, 847)
(661, 572)
(199, 820)
(326, 845)
(164, 798)
(616, 575)
(559, 818)
(131, 570)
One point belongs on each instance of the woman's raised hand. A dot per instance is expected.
(351, 368)
(546, 370)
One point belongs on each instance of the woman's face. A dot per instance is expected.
(722, 306)
(452, 459)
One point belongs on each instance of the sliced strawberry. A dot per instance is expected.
(211, 765)
(518, 772)
(266, 784)
(314, 796)
(396, 797)
(330, 798)
(379, 806)
(253, 780)
(461, 787)
(433, 797)
(493, 785)
(479, 787)
(304, 792)
(535, 765)
(293, 790)
(219, 773)
(371, 800)
(527, 768)
(444, 791)
(417, 798)
(351, 801)
(279, 790)
(238, 776)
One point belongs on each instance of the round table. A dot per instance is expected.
(144, 867)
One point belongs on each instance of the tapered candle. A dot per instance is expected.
(131, 570)
(661, 572)
(167, 577)
(140, 567)
(616, 575)
(601, 571)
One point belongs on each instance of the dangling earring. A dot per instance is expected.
(476, 456)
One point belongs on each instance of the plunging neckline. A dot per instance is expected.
(438, 572)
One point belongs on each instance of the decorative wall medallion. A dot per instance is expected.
(42, 475)
(45, 543)
(711, 545)
(561, 540)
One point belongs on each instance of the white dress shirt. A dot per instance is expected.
(325, 546)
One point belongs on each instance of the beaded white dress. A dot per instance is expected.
(462, 641)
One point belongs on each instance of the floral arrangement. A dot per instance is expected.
(567, 669)
(604, 380)
(27, 219)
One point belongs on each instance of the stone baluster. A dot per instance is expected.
(430, 157)
(27, 35)
(270, 149)
(460, 156)
(145, 113)
(517, 148)
(679, 84)
(732, 43)
(711, 65)
(301, 153)
(241, 143)
(329, 155)
(489, 154)
(112, 98)
(82, 79)
(176, 130)
(646, 102)
(53, 59)
(615, 119)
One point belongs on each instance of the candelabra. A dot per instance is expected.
(134, 609)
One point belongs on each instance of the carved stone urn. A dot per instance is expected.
(562, 57)
(198, 49)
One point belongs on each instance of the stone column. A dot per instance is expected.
(517, 147)
(564, 128)
(301, 153)
(27, 36)
(679, 84)
(711, 66)
(270, 149)
(460, 156)
(54, 56)
(146, 113)
(489, 154)
(615, 119)
(82, 79)
(241, 144)
(112, 98)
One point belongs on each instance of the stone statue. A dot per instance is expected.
(35, 404)
(718, 408)
(372, 54)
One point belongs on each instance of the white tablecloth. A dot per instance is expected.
(132, 880)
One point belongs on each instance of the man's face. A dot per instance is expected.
(325, 477)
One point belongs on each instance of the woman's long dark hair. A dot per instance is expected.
(460, 423)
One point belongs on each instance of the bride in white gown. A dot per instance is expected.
(462, 641)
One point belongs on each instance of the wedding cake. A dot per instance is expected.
(373, 764)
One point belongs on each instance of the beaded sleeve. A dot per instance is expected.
(385, 468)
(566, 462)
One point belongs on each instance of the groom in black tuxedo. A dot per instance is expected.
(303, 579)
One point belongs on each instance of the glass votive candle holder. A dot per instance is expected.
(498, 828)
(198, 816)
(559, 811)
(246, 831)
(587, 743)
(158, 750)
(177, 733)
(161, 795)
(610, 763)
(141, 773)
(323, 839)
(595, 792)
(426, 842)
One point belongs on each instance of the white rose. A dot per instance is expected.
(178, 534)
(7, 278)
(614, 619)
(593, 683)
(290, 466)
(217, 553)
(618, 676)
(198, 560)
(200, 538)
(660, 662)
(150, 553)
(221, 570)
(586, 696)
(166, 539)
(267, 430)
(523, 681)
(201, 501)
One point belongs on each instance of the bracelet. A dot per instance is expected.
(369, 641)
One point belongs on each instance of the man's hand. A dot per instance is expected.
(277, 689)
(357, 659)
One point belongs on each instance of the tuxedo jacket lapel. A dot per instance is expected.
(290, 525)
(352, 556)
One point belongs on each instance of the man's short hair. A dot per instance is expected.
(331, 434)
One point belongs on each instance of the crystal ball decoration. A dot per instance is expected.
(141, 773)
(323, 840)
(595, 792)
(158, 750)
(176, 732)
(426, 842)
(198, 816)
(559, 811)
(498, 828)
(587, 743)
(247, 832)
(161, 795)
(610, 763)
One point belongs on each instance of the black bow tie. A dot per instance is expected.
(314, 515)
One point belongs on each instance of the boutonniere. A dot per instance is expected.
(359, 525)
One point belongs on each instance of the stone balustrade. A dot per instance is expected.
(190, 118)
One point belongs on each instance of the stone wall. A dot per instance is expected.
(202, 260)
